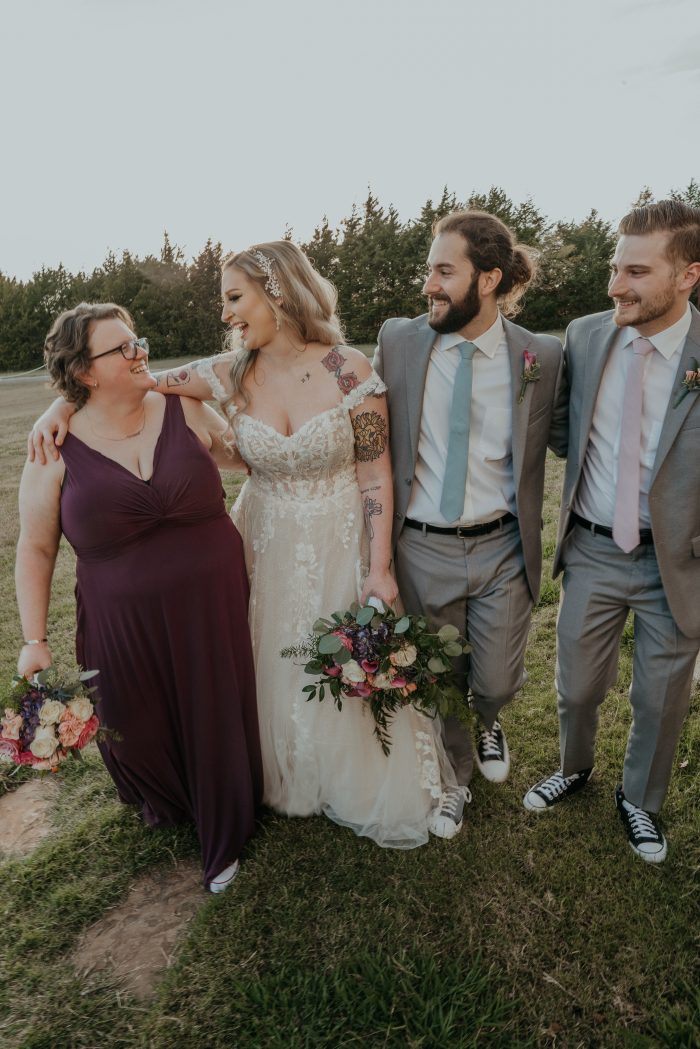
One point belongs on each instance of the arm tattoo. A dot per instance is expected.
(372, 508)
(177, 378)
(370, 436)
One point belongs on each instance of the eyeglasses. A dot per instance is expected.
(128, 350)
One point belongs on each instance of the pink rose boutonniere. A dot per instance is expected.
(531, 372)
(691, 383)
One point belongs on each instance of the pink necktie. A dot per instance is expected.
(626, 522)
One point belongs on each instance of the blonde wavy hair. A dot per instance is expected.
(306, 305)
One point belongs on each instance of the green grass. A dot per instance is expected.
(523, 931)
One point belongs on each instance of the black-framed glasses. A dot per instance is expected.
(128, 349)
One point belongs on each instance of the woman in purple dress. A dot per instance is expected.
(160, 576)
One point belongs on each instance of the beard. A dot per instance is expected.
(458, 314)
(644, 311)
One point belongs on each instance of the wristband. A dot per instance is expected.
(37, 641)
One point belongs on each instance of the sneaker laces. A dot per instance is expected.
(490, 742)
(556, 785)
(452, 800)
(642, 824)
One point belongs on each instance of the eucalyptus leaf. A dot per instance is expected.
(402, 626)
(87, 675)
(342, 655)
(448, 632)
(365, 615)
(452, 648)
(330, 644)
(437, 666)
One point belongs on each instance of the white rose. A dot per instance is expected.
(51, 712)
(405, 657)
(82, 708)
(44, 743)
(381, 681)
(353, 673)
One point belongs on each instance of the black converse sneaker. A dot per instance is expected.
(492, 757)
(555, 788)
(642, 830)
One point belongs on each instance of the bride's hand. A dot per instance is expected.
(380, 584)
(54, 421)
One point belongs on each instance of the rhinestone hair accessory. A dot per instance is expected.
(271, 284)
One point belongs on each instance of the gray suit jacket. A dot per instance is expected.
(674, 496)
(402, 357)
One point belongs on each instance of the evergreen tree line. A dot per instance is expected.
(376, 262)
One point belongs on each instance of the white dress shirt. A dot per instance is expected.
(595, 498)
(490, 490)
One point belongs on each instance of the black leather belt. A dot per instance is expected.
(463, 533)
(645, 535)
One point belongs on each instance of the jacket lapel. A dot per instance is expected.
(518, 341)
(675, 417)
(416, 358)
(600, 342)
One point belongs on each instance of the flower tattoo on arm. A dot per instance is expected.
(371, 508)
(370, 436)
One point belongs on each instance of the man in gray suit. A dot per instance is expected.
(629, 532)
(471, 399)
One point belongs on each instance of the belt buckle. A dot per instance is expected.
(463, 531)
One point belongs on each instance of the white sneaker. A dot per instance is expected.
(446, 818)
(222, 881)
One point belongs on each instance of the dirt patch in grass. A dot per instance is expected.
(25, 816)
(135, 940)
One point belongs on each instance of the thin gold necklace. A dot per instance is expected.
(125, 437)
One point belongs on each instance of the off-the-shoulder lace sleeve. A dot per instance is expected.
(207, 368)
(372, 386)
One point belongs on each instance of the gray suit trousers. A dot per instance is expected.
(601, 584)
(478, 585)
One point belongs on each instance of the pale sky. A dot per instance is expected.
(229, 120)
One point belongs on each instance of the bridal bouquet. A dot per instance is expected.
(47, 719)
(384, 660)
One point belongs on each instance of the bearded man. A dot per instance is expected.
(629, 531)
(471, 401)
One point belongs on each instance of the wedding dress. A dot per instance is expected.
(300, 516)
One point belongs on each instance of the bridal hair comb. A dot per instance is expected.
(272, 285)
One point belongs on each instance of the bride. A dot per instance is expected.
(309, 417)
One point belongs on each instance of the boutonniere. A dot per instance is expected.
(531, 372)
(691, 383)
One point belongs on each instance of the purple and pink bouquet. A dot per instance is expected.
(47, 719)
(386, 661)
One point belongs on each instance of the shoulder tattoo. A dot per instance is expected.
(333, 362)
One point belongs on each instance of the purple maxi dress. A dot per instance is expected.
(162, 602)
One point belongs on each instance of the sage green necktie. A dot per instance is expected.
(455, 481)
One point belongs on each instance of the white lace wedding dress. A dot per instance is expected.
(300, 516)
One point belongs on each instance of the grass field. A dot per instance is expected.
(523, 931)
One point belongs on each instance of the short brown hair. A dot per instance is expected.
(681, 220)
(66, 350)
(489, 245)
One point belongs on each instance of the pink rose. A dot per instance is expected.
(11, 725)
(333, 671)
(348, 382)
(69, 729)
(89, 732)
(530, 360)
(9, 749)
(333, 360)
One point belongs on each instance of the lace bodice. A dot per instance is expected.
(316, 461)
